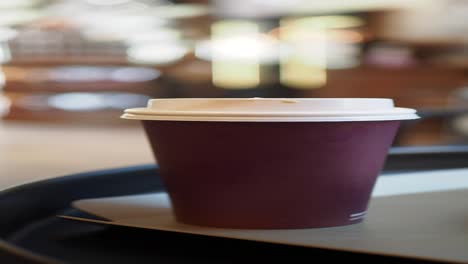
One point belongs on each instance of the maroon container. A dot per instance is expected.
(269, 175)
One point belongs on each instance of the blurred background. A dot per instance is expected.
(78, 63)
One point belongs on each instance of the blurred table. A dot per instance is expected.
(34, 151)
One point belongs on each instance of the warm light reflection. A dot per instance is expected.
(328, 22)
(303, 62)
(234, 64)
(240, 48)
(297, 72)
(313, 44)
(235, 75)
(236, 50)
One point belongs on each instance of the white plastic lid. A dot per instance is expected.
(271, 110)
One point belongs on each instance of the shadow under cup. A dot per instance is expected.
(270, 175)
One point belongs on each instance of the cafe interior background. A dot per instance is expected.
(70, 67)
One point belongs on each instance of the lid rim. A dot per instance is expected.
(272, 118)
(270, 109)
(394, 111)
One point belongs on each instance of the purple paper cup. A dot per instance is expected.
(270, 163)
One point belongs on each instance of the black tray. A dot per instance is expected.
(30, 232)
